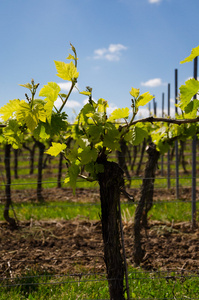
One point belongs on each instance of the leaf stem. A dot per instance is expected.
(74, 81)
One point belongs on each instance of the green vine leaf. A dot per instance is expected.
(51, 92)
(111, 137)
(85, 93)
(95, 133)
(73, 172)
(55, 149)
(27, 86)
(66, 71)
(88, 155)
(102, 105)
(87, 109)
(194, 53)
(187, 92)
(30, 116)
(119, 113)
(144, 99)
(70, 56)
(135, 92)
(136, 135)
(13, 135)
(9, 109)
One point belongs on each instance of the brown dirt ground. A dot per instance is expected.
(76, 246)
(91, 195)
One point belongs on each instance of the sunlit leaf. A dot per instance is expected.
(13, 134)
(27, 85)
(102, 105)
(70, 56)
(187, 92)
(144, 99)
(119, 113)
(66, 71)
(135, 92)
(43, 134)
(194, 53)
(55, 149)
(50, 91)
(30, 116)
(85, 93)
(9, 109)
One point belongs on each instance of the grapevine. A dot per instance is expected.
(95, 136)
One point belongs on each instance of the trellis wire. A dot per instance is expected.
(91, 280)
(195, 74)
(176, 142)
(98, 204)
(167, 277)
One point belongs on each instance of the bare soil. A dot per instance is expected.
(76, 246)
(91, 195)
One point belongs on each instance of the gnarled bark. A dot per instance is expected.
(121, 155)
(110, 182)
(16, 152)
(32, 154)
(10, 220)
(141, 158)
(146, 201)
(182, 156)
(41, 147)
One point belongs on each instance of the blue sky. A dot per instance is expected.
(120, 44)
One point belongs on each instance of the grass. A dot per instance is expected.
(28, 182)
(165, 211)
(142, 285)
(55, 210)
(31, 183)
(32, 285)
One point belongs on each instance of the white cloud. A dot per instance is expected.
(111, 108)
(65, 86)
(172, 100)
(112, 53)
(144, 112)
(191, 78)
(154, 1)
(69, 103)
(153, 82)
(72, 104)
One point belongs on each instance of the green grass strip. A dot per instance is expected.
(142, 284)
(166, 211)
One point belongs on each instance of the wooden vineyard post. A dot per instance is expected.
(41, 147)
(194, 159)
(110, 182)
(168, 153)
(162, 156)
(176, 142)
(10, 220)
